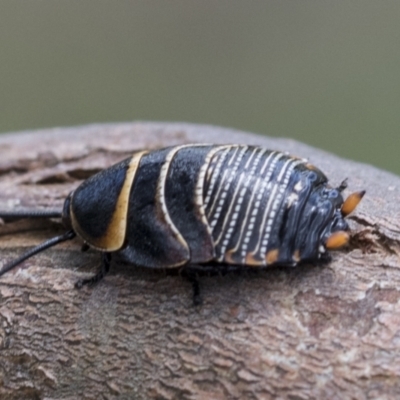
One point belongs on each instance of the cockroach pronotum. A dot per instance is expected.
(201, 204)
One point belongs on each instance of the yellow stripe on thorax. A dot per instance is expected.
(114, 237)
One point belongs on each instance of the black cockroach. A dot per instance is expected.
(199, 203)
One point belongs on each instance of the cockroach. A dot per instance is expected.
(207, 205)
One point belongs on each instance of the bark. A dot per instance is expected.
(293, 333)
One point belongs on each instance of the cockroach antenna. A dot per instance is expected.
(10, 215)
(17, 214)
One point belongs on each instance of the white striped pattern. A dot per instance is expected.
(199, 199)
(225, 184)
(258, 193)
(231, 217)
(281, 188)
(254, 190)
(215, 174)
(251, 182)
(161, 190)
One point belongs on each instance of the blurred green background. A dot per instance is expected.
(323, 72)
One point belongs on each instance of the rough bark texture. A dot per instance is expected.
(291, 333)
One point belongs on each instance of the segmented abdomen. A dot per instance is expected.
(248, 195)
(229, 203)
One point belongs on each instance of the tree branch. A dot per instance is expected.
(300, 333)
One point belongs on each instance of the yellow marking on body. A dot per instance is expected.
(311, 167)
(296, 256)
(272, 256)
(228, 257)
(337, 240)
(114, 237)
(252, 261)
